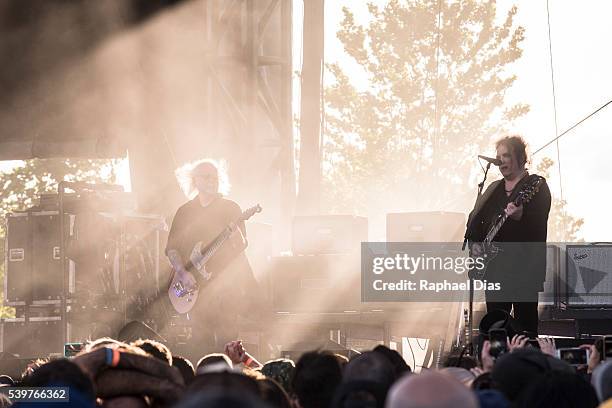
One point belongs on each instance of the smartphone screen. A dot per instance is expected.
(72, 349)
(499, 342)
(607, 347)
(574, 356)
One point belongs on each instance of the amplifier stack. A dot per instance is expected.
(112, 268)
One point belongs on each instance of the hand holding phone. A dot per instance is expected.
(499, 342)
(574, 356)
(607, 348)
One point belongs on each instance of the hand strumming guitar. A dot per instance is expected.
(187, 279)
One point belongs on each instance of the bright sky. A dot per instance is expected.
(583, 82)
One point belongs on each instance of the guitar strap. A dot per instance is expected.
(519, 187)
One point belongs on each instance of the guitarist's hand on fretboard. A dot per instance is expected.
(515, 212)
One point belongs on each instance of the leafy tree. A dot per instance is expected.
(433, 101)
(22, 186)
(562, 227)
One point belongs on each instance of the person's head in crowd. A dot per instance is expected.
(281, 371)
(316, 376)
(63, 373)
(482, 382)
(370, 366)
(491, 399)
(460, 360)
(185, 367)
(602, 380)
(557, 389)
(6, 380)
(128, 401)
(397, 361)
(462, 375)
(136, 374)
(213, 362)
(34, 365)
(155, 349)
(514, 371)
(221, 399)
(227, 381)
(273, 394)
(430, 389)
(342, 360)
(360, 393)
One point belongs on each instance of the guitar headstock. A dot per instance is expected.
(529, 189)
(249, 212)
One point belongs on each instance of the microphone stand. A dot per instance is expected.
(468, 232)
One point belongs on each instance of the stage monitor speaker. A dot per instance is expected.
(588, 276)
(316, 283)
(328, 234)
(434, 226)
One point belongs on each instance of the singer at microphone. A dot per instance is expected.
(495, 162)
(520, 266)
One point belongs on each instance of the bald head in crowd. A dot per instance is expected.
(430, 389)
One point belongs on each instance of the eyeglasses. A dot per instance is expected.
(206, 176)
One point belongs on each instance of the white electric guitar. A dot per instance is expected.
(183, 298)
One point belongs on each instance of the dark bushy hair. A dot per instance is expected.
(315, 379)
(155, 349)
(185, 367)
(516, 145)
(558, 389)
(400, 367)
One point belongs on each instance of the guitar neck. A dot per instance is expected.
(214, 246)
(499, 223)
(495, 228)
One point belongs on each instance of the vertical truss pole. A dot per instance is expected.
(287, 169)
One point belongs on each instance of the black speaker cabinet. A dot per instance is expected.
(328, 234)
(38, 337)
(434, 226)
(33, 268)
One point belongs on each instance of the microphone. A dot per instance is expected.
(491, 160)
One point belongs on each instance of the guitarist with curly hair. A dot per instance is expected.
(211, 272)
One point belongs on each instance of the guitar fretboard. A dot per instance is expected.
(495, 228)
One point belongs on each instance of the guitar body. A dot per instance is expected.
(490, 252)
(181, 298)
(489, 249)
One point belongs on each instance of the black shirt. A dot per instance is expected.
(193, 223)
(519, 266)
(532, 227)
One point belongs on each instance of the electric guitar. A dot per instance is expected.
(490, 250)
(183, 298)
